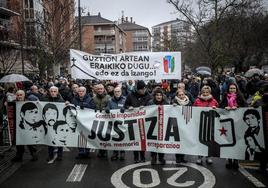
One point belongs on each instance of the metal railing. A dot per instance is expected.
(104, 32)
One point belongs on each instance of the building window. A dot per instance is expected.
(26, 4)
(28, 9)
(30, 34)
(31, 3)
(120, 39)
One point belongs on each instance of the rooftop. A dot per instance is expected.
(169, 22)
(128, 26)
(95, 20)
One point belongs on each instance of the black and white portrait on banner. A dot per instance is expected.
(47, 123)
(224, 132)
(252, 119)
(236, 134)
(31, 124)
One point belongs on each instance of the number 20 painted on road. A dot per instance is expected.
(116, 179)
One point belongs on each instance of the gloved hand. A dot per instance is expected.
(122, 110)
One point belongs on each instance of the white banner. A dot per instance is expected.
(188, 130)
(126, 66)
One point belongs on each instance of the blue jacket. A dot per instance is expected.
(115, 103)
(85, 102)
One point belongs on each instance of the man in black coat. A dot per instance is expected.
(138, 98)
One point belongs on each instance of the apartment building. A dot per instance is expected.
(9, 38)
(138, 38)
(164, 33)
(100, 35)
(34, 26)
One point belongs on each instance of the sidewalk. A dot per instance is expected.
(5, 158)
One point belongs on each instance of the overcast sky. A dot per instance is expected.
(144, 12)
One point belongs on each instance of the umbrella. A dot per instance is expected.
(14, 78)
(203, 68)
(252, 72)
(204, 72)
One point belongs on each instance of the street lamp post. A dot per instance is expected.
(79, 25)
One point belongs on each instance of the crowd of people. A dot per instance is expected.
(229, 92)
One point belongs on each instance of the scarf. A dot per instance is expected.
(205, 98)
(231, 98)
(182, 102)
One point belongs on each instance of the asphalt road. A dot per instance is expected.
(102, 173)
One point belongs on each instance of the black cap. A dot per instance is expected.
(140, 84)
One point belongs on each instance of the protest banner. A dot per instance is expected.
(236, 134)
(126, 66)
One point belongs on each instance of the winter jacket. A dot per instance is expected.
(257, 96)
(154, 102)
(101, 102)
(84, 102)
(115, 103)
(194, 89)
(55, 99)
(253, 86)
(174, 101)
(65, 92)
(205, 103)
(34, 96)
(240, 100)
(136, 100)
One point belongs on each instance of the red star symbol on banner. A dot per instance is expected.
(223, 131)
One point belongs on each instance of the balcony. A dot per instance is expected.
(105, 42)
(29, 14)
(104, 45)
(104, 32)
(103, 50)
(140, 35)
(140, 39)
(8, 37)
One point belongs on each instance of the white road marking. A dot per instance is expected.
(137, 177)
(92, 150)
(66, 149)
(209, 178)
(54, 158)
(252, 167)
(172, 179)
(251, 178)
(77, 173)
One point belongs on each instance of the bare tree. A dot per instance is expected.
(206, 18)
(56, 34)
(8, 59)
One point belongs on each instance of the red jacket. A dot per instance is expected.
(208, 103)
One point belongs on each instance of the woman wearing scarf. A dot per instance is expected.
(181, 99)
(232, 100)
(205, 99)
